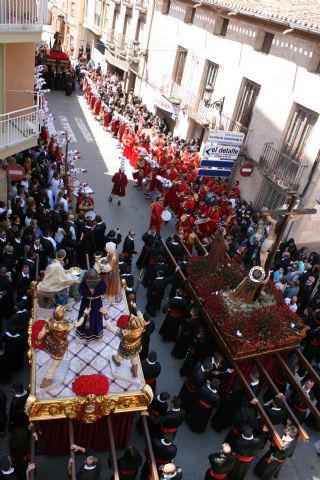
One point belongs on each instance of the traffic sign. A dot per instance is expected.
(15, 172)
(212, 162)
(213, 172)
(229, 152)
(225, 138)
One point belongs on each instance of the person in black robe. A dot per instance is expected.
(297, 402)
(164, 452)
(159, 405)
(148, 239)
(246, 415)
(91, 469)
(128, 248)
(229, 405)
(175, 248)
(156, 291)
(19, 451)
(20, 319)
(3, 413)
(6, 469)
(175, 308)
(197, 351)
(99, 233)
(14, 344)
(171, 421)
(151, 370)
(170, 471)
(154, 262)
(195, 380)
(6, 289)
(221, 463)
(274, 409)
(270, 464)
(145, 337)
(198, 415)
(188, 326)
(17, 415)
(23, 282)
(129, 464)
(86, 246)
(246, 448)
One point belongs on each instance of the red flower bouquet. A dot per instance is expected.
(36, 329)
(262, 327)
(90, 384)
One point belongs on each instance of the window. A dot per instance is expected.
(211, 76)
(165, 7)
(115, 20)
(189, 15)
(97, 12)
(248, 97)
(73, 9)
(267, 42)
(179, 65)
(221, 26)
(126, 25)
(139, 30)
(298, 132)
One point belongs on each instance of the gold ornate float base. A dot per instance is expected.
(90, 408)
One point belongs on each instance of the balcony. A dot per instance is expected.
(134, 51)
(23, 15)
(283, 170)
(19, 130)
(141, 5)
(171, 90)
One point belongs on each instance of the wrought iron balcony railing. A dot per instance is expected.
(283, 170)
(17, 15)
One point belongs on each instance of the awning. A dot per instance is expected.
(162, 102)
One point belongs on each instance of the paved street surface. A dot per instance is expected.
(99, 154)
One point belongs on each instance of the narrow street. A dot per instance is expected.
(100, 155)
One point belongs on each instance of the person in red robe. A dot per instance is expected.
(156, 214)
(97, 107)
(128, 141)
(106, 118)
(120, 182)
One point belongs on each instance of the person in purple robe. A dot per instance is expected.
(92, 289)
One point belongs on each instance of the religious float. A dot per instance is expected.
(90, 400)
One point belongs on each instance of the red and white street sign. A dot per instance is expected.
(246, 170)
(15, 172)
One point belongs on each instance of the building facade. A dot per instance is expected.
(67, 17)
(21, 23)
(217, 65)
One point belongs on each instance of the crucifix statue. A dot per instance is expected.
(248, 290)
(271, 244)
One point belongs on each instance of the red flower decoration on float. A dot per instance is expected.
(36, 329)
(90, 384)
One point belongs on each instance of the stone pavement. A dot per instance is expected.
(99, 154)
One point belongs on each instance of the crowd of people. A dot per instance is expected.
(39, 226)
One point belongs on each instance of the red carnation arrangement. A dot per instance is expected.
(36, 329)
(265, 326)
(90, 384)
(123, 321)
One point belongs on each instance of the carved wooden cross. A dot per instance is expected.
(282, 227)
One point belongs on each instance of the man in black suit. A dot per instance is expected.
(56, 218)
(113, 236)
(128, 246)
(17, 415)
(86, 246)
(99, 231)
(70, 226)
(47, 245)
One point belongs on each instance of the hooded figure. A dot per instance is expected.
(92, 289)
